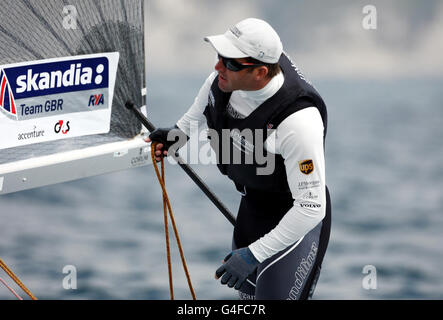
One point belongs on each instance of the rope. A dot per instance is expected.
(10, 289)
(16, 279)
(167, 206)
(168, 248)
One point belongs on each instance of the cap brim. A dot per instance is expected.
(225, 47)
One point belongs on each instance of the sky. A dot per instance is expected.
(325, 38)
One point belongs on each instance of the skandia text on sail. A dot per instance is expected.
(74, 76)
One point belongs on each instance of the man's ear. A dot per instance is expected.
(261, 72)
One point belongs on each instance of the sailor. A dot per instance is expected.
(283, 222)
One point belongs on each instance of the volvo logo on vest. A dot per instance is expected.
(306, 166)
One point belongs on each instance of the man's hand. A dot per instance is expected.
(166, 137)
(237, 266)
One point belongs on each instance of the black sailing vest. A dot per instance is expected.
(294, 95)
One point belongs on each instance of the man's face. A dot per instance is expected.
(229, 81)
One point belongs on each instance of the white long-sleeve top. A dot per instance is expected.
(299, 137)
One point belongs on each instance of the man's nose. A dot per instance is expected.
(219, 66)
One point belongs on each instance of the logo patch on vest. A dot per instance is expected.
(211, 100)
(306, 166)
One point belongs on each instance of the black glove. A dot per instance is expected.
(168, 137)
(238, 265)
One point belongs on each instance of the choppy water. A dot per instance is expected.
(384, 171)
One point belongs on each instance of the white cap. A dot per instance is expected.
(249, 38)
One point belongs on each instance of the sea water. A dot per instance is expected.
(383, 168)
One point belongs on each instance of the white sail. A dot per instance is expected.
(32, 31)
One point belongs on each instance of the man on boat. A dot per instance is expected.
(283, 223)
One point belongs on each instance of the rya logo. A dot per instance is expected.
(62, 127)
(96, 99)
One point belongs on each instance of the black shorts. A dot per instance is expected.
(292, 273)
